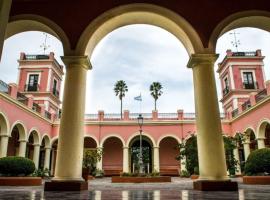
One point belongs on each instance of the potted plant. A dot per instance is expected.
(17, 171)
(257, 167)
(90, 159)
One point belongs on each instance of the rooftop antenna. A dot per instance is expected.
(236, 42)
(44, 45)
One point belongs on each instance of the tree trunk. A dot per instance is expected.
(155, 104)
(121, 109)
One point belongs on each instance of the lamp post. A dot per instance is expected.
(140, 122)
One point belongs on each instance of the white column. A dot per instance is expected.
(22, 148)
(5, 6)
(47, 158)
(125, 159)
(3, 145)
(156, 159)
(246, 149)
(71, 134)
(36, 155)
(211, 152)
(236, 156)
(261, 143)
(183, 164)
(99, 163)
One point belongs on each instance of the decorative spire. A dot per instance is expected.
(44, 45)
(235, 41)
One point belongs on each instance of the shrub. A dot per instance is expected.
(258, 162)
(16, 166)
(41, 173)
(98, 173)
(184, 173)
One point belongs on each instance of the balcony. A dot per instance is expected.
(36, 107)
(246, 105)
(31, 88)
(235, 112)
(22, 98)
(37, 57)
(48, 115)
(248, 53)
(251, 86)
(261, 95)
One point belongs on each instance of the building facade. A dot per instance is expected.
(30, 118)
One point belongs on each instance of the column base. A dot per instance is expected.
(66, 186)
(207, 185)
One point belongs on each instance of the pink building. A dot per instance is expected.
(29, 117)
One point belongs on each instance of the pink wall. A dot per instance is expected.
(167, 152)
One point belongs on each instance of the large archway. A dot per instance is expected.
(147, 154)
(112, 159)
(264, 133)
(45, 144)
(53, 155)
(17, 141)
(168, 150)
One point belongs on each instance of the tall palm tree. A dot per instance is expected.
(120, 88)
(155, 89)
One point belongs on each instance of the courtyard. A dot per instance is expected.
(99, 189)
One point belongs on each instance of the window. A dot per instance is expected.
(226, 86)
(248, 82)
(33, 82)
(55, 91)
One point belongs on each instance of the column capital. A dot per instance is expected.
(49, 148)
(156, 147)
(36, 145)
(5, 135)
(23, 141)
(261, 138)
(77, 60)
(202, 59)
(125, 147)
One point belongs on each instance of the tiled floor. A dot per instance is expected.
(100, 189)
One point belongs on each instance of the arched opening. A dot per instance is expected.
(89, 143)
(14, 142)
(53, 156)
(3, 125)
(168, 151)
(253, 142)
(264, 132)
(112, 159)
(33, 140)
(45, 143)
(241, 152)
(147, 154)
(18, 134)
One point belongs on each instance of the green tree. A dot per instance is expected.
(120, 88)
(155, 89)
(231, 162)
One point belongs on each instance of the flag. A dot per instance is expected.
(138, 98)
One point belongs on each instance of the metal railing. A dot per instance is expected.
(251, 86)
(146, 116)
(31, 88)
(36, 57)
(246, 105)
(226, 90)
(261, 95)
(4, 87)
(189, 115)
(22, 98)
(48, 115)
(235, 112)
(91, 116)
(55, 92)
(36, 107)
(248, 53)
(172, 116)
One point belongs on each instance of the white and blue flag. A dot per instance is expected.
(138, 98)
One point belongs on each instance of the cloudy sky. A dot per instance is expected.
(139, 55)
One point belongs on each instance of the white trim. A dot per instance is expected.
(33, 73)
(246, 64)
(235, 103)
(261, 127)
(49, 80)
(231, 77)
(110, 136)
(44, 67)
(6, 121)
(92, 137)
(235, 96)
(46, 99)
(242, 71)
(168, 136)
(143, 134)
(48, 145)
(23, 134)
(37, 139)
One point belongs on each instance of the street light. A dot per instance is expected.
(140, 122)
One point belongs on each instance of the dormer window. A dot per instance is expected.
(32, 84)
(248, 81)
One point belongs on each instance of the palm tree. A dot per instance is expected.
(120, 88)
(155, 89)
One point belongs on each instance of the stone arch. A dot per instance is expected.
(251, 135)
(252, 18)
(93, 138)
(112, 159)
(166, 136)
(36, 136)
(151, 139)
(22, 130)
(139, 13)
(261, 128)
(112, 135)
(168, 150)
(4, 124)
(30, 22)
(47, 140)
